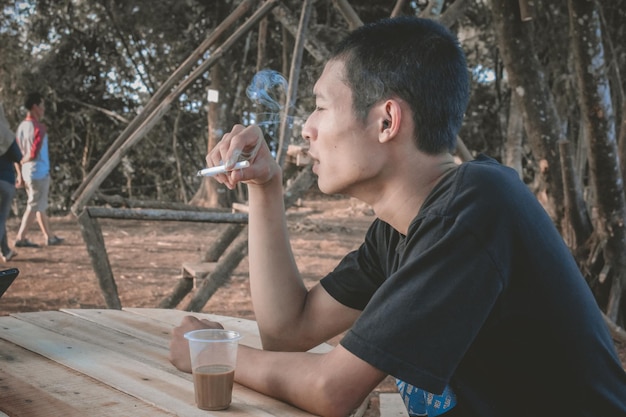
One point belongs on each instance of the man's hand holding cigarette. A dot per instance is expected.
(243, 144)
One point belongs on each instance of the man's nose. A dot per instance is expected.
(307, 131)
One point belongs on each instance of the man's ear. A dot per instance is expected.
(389, 120)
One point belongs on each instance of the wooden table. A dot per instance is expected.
(110, 363)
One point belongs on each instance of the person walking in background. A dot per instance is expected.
(10, 157)
(32, 139)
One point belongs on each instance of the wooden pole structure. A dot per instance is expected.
(163, 107)
(96, 248)
(160, 94)
(292, 89)
(87, 218)
(167, 215)
(92, 235)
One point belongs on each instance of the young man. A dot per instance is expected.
(33, 141)
(462, 290)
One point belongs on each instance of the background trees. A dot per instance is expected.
(548, 96)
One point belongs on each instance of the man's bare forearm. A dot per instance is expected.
(278, 293)
(314, 382)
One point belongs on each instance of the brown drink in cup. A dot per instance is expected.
(213, 356)
(213, 386)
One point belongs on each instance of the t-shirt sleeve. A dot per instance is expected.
(423, 318)
(39, 133)
(359, 274)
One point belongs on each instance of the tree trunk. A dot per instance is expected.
(599, 124)
(514, 137)
(578, 226)
(182, 194)
(527, 80)
(211, 193)
(622, 143)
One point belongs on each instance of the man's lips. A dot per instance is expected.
(315, 163)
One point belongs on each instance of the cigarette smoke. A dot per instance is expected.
(266, 88)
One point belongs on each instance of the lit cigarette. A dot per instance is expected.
(221, 169)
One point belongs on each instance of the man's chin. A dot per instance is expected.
(327, 188)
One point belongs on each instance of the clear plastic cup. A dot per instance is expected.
(213, 359)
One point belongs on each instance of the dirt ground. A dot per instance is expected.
(146, 259)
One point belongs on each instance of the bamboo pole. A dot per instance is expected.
(292, 89)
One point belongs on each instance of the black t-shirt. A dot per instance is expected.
(482, 294)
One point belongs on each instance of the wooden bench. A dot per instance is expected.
(197, 270)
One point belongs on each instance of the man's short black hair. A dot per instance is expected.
(417, 60)
(32, 99)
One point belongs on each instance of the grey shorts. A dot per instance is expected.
(38, 193)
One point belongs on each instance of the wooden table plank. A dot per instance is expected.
(248, 328)
(244, 326)
(144, 328)
(128, 351)
(155, 325)
(32, 386)
(151, 351)
(152, 385)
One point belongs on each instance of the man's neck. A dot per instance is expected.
(401, 198)
(31, 116)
